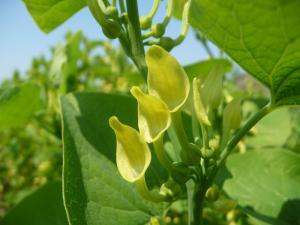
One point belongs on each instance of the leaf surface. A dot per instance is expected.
(261, 35)
(45, 206)
(266, 182)
(19, 103)
(94, 192)
(49, 14)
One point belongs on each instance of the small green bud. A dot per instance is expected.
(158, 30)
(212, 193)
(167, 43)
(214, 143)
(207, 153)
(145, 22)
(111, 29)
(170, 189)
(232, 115)
(111, 12)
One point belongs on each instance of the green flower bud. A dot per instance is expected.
(170, 189)
(207, 153)
(232, 115)
(145, 22)
(214, 143)
(198, 104)
(133, 156)
(212, 88)
(111, 12)
(212, 193)
(158, 30)
(153, 115)
(111, 29)
(167, 43)
(166, 78)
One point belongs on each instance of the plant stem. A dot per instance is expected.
(135, 37)
(198, 200)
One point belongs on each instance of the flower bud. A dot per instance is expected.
(111, 12)
(198, 104)
(158, 30)
(212, 193)
(232, 115)
(212, 88)
(167, 43)
(153, 115)
(145, 22)
(133, 156)
(232, 118)
(166, 78)
(111, 29)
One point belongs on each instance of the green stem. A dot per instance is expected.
(198, 200)
(161, 154)
(122, 6)
(135, 37)
(153, 9)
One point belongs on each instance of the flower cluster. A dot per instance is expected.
(168, 91)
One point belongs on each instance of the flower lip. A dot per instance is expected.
(166, 78)
(133, 156)
(153, 115)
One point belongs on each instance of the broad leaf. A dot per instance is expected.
(49, 14)
(272, 130)
(266, 182)
(45, 206)
(203, 68)
(94, 191)
(262, 36)
(18, 104)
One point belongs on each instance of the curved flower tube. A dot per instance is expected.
(153, 115)
(166, 78)
(133, 156)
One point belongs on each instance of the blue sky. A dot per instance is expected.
(21, 39)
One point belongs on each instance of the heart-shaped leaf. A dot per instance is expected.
(262, 36)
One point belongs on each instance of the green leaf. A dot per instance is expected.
(94, 191)
(267, 184)
(49, 14)
(45, 206)
(272, 130)
(19, 103)
(203, 68)
(261, 36)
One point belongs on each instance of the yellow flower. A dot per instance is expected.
(153, 115)
(166, 78)
(133, 154)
